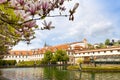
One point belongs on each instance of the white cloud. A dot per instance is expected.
(90, 21)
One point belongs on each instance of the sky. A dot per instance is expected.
(95, 20)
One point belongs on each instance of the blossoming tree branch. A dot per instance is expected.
(18, 19)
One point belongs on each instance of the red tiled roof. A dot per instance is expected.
(97, 50)
(43, 50)
(20, 52)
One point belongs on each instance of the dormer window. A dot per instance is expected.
(20, 53)
(118, 50)
(111, 50)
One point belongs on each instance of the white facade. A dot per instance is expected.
(77, 44)
(23, 57)
(73, 54)
(95, 53)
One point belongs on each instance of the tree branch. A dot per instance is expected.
(46, 16)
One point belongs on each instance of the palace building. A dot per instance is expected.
(74, 50)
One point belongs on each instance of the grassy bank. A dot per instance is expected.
(28, 63)
(95, 69)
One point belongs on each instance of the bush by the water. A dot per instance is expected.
(7, 62)
(28, 63)
(73, 67)
(98, 68)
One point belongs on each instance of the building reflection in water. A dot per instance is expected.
(54, 73)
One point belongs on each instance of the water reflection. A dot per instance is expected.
(53, 73)
(100, 76)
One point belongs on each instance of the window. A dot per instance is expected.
(68, 53)
(111, 51)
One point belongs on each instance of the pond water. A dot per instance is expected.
(53, 73)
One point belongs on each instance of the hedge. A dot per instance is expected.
(7, 62)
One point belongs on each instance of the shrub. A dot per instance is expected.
(7, 62)
(73, 67)
(26, 63)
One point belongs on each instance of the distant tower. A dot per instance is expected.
(45, 45)
(85, 42)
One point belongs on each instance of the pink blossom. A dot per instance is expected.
(2, 1)
(71, 17)
(75, 6)
(61, 2)
(47, 26)
(31, 8)
(45, 6)
(38, 5)
(30, 24)
(21, 2)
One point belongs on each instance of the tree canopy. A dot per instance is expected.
(18, 19)
(58, 56)
(107, 42)
(48, 56)
(61, 55)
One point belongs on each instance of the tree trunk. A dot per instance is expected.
(80, 66)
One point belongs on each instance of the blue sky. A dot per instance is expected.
(95, 20)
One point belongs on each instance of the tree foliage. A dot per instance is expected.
(80, 60)
(102, 45)
(8, 28)
(61, 55)
(107, 42)
(18, 19)
(48, 56)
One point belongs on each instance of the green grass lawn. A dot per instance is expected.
(92, 68)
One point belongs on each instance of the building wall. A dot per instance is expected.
(94, 54)
(73, 55)
(23, 57)
(99, 53)
(77, 44)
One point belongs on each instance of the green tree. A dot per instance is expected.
(107, 42)
(9, 35)
(102, 45)
(61, 56)
(18, 19)
(90, 46)
(80, 61)
(118, 41)
(48, 57)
